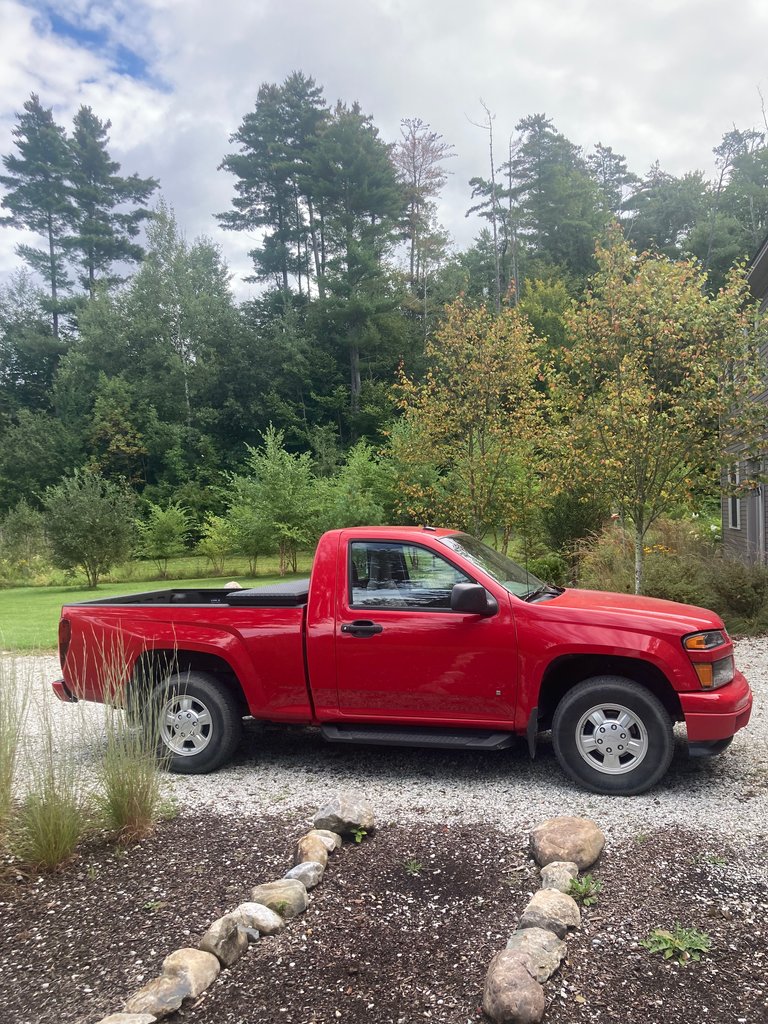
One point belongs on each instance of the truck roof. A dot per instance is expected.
(396, 531)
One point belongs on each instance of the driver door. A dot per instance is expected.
(402, 653)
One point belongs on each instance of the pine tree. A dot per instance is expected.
(275, 184)
(107, 208)
(363, 206)
(663, 210)
(613, 178)
(558, 204)
(38, 196)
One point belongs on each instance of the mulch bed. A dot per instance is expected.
(401, 929)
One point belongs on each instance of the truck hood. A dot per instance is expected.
(631, 609)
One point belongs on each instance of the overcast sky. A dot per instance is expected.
(659, 80)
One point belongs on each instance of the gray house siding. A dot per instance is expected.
(745, 516)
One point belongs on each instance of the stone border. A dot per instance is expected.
(188, 972)
(514, 992)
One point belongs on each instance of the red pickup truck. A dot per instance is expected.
(423, 637)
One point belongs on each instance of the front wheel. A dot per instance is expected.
(611, 735)
(199, 724)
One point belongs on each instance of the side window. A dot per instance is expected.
(392, 575)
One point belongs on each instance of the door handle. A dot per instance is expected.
(362, 627)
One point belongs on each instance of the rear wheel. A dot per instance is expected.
(611, 735)
(199, 723)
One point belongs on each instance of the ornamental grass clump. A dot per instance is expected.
(13, 708)
(56, 810)
(131, 797)
(131, 791)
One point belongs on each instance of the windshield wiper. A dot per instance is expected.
(545, 588)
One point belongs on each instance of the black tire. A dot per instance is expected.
(199, 723)
(624, 748)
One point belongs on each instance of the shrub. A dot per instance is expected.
(24, 550)
(606, 561)
(572, 516)
(675, 578)
(551, 568)
(163, 534)
(89, 522)
(741, 588)
(682, 563)
(217, 542)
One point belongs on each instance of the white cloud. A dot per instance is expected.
(659, 81)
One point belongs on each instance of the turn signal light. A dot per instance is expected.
(704, 641)
(713, 674)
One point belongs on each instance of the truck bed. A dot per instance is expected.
(292, 594)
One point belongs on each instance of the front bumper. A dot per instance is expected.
(717, 714)
(62, 691)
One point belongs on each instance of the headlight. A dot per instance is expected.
(704, 641)
(713, 674)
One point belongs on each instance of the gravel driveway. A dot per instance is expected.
(279, 772)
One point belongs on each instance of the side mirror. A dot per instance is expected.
(473, 599)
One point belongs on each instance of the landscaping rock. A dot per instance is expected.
(310, 873)
(258, 918)
(287, 897)
(160, 997)
(559, 875)
(570, 839)
(345, 814)
(226, 939)
(544, 950)
(310, 848)
(198, 967)
(128, 1018)
(553, 911)
(512, 995)
(331, 840)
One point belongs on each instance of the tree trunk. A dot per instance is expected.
(54, 295)
(284, 247)
(354, 378)
(494, 219)
(639, 556)
(316, 251)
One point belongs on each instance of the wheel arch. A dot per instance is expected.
(152, 666)
(568, 670)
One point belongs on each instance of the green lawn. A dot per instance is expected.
(29, 616)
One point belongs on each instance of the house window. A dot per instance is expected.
(734, 503)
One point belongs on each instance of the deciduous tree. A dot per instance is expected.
(656, 385)
(466, 447)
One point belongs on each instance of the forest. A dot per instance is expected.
(126, 361)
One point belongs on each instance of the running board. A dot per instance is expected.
(403, 736)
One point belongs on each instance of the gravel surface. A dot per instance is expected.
(281, 771)
(380, 941)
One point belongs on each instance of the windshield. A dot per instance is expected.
(509, 574)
